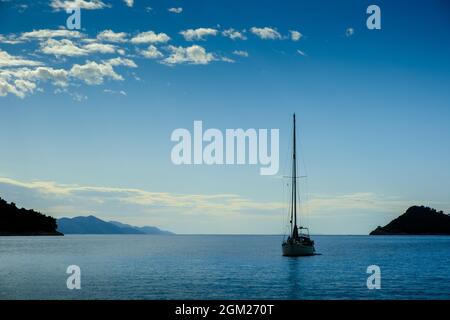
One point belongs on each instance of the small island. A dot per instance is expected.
(24, 222)
(417, 220)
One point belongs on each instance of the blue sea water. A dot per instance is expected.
(223, 267)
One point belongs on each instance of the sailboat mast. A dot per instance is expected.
(294, 182)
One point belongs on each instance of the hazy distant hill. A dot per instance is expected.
(23, 222)
(145, 230)
(417, 221)
(94, 225)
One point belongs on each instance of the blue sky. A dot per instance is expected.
(86, 116)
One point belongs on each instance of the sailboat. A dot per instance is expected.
(298, 243)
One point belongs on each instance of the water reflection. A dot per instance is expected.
(295, 277)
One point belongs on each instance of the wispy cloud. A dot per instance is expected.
(266, 33)
(7, 60)
(356, 201)
(121, 92)
(10, 39)
(212, 203)
(204, 203)
(300, 52)
(240, 53)
(234, 34)
(50, 33)
(200, 212)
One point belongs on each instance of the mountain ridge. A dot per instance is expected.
(93, 225)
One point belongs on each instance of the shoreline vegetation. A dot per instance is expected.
(417, 220)
(24, 222)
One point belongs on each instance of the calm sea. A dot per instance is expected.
(223, 267)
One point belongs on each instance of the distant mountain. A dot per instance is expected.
(145, 230)
(94, 225)
(417, 221)
(23, 222)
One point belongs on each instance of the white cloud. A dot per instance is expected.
(25, 86)
(295, 35)
(66, 47)
(22, 81)
(233, 34)
(94, 73)
(266, 33)
(122, 62)
(190, 55)
(349, 32)
(214, 204)
(57, 76)
(49, 33)
(7, 60)
(11, 39)
(111, 36)
(151, 52)
(150, 37)
(198, 34)
(175, 10)
(8, 88)
(82, 4)
(100, 48)
(358, 200)
(241, 53)
(63, 47)
(129, 3)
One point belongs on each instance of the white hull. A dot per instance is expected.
(297, 249)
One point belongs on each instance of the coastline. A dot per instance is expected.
(31, 234)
